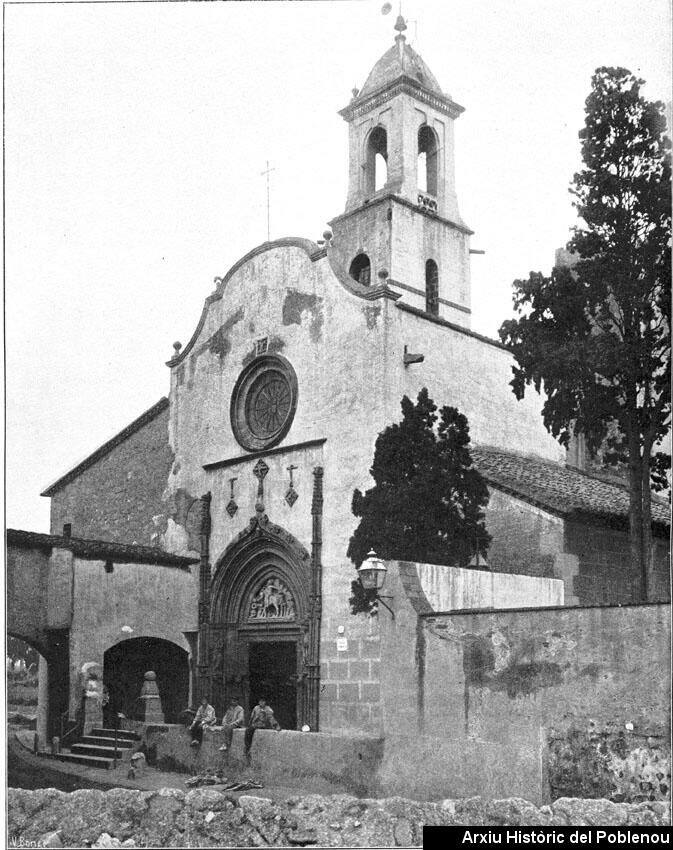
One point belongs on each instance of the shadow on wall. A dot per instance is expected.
(124, 668)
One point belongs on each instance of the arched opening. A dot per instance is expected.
(38, 681)
(22, 665)
(376, 160)
(427, 160)
(360, 269)
(124, 668)
(260, 607)
(431, 288)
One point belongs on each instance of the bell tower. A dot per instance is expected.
(402, 221)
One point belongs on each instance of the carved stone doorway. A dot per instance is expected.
(272, 675)
(260, 622)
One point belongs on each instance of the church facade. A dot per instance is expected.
(300, 358)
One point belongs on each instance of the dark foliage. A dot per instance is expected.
(427, 502)
(596, 337)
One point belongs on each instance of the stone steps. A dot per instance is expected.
(107, 752)
(80, 758)
(98, 748)
(105, 741)
(125, 734)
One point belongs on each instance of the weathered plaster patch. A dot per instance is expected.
(160, 522)
(371, 314)
(180, 526)
(489, 661)
(175, 538)
(611, 763)
(219, 343)
(294, 305)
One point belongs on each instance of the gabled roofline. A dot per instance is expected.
(107, 447)
(314, 251)
(98, 550)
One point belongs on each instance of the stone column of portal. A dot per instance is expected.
(41, 726)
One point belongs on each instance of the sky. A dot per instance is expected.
(136, 135)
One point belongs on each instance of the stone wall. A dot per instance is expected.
(205, 817)
(118, 497)
(344, 763)
(604, 572)
(525, 538)
(517, 699)
(453, 588)
(593, 561)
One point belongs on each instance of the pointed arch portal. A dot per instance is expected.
(261, 624)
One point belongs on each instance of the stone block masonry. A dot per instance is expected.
(119, 497)
(207, 818)
(350, 697)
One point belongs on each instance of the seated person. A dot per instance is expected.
(261, 717)
(205, 716)
(233, 719)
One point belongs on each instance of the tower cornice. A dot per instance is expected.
(402, 85)
(398, 199)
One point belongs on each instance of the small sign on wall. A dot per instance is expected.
(342, 644)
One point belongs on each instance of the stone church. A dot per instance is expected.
(240, 482)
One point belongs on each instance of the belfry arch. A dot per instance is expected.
(262, 622)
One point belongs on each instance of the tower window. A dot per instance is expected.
(427, 160)
(376, 164)
(431, 288)
(360, 269)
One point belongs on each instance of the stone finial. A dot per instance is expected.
(355, 92)
(177, 346)
(383, 274)
(150, 700)
(400, 26)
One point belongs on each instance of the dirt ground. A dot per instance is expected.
(27, 770)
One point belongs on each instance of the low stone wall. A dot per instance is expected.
(348, 763)
(208, 818)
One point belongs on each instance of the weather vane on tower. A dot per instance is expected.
(400, 23)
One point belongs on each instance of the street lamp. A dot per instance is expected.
(372, 575)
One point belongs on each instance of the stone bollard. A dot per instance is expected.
(55, 745)
(138, 764)
(150, 701)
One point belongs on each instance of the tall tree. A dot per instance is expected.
(427, 501)
(597, 337)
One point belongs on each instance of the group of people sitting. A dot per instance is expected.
(261, 717)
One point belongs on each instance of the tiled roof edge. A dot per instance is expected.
(98, 550)
(603, 518)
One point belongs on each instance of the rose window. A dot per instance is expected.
(263, 402)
